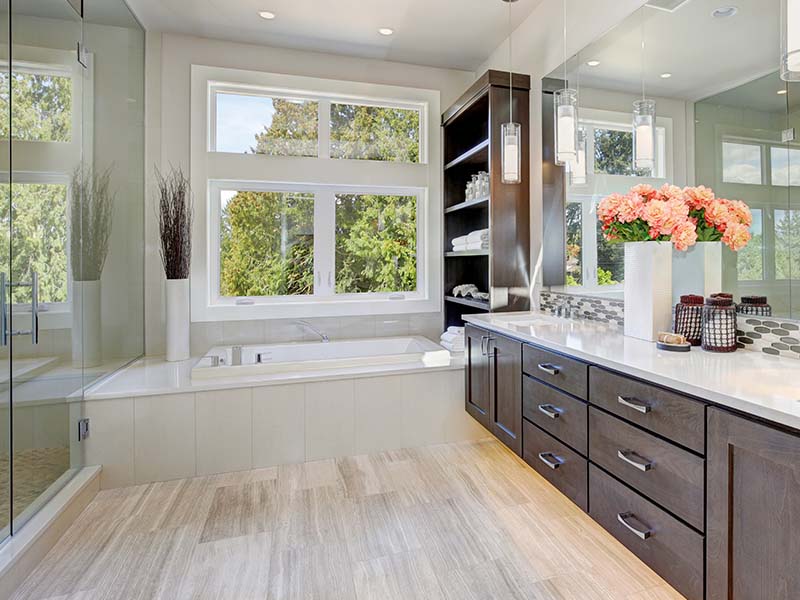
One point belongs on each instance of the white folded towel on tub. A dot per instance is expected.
(452, 347)
(453, 329)
(453, 338)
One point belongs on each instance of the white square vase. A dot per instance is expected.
(698, 270)
(648, 289)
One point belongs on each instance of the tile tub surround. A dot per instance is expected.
(159, 437)
(752, 382)
(591, 308)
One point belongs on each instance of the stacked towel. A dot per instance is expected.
(453, 339)
(475, 240)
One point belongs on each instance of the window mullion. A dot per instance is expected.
(324, 128)
(324, 243)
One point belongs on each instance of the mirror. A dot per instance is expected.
(724, 120)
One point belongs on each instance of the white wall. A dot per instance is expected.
(538, 47)
(168, 73)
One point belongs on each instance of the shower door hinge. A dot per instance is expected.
(787, 135)
(82, 56)
(83, 429)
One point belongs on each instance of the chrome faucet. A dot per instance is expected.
(325, 339)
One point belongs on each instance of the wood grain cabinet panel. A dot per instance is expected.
(557, 463)
(560, 371)
(477, 401)
(505, 381)
(664, 412)
(668, 475)
(753, 511)
(669, 547)
(557, 413)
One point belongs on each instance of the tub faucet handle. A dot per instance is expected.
(236, 355)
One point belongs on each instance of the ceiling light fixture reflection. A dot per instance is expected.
(593, 63)
(265, 14)
(790, 40)
(385, 31)
(781, 92)
(666, 75)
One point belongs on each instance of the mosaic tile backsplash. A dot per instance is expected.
(770, 335)
(603, 310)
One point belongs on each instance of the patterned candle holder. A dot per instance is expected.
(754, 306)
(719, 324)
(689, 319)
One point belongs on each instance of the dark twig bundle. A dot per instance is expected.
(175, 215)
(90, 222)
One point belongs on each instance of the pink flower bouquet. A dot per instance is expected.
(671, 214)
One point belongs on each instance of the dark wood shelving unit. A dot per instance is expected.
(471, 144)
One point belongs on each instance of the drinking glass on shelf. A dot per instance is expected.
(470, 194)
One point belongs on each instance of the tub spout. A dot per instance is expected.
(310, 327)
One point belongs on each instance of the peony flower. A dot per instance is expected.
(684, 235)
(718, 214)
(736, 236)
(608, 209)
(677, 214)
(656, 213)
(671, 192)
(699, 197)
(741, 212)
(630, 208)
(647, 192)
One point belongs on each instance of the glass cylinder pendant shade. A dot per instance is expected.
(566, 116)
(644, 135)
(790, 40)
(511, 155)
(577, 169)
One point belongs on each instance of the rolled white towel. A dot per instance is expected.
(452, 338)
(460, 241)
(481, 235)
(453, 329)
(452, 348)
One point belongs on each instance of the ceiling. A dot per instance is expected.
(705, 55)
(457, 34)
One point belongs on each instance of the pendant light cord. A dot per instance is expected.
(566, 80)
(643, 50)
(510, 69)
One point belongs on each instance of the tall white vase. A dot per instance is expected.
(87, 330)
(177, 319)
(698, 270)
(648, 289)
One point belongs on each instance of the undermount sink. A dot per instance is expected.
(530, 321)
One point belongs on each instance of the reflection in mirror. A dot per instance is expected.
(723, 119)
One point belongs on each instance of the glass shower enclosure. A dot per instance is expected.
(71, 231)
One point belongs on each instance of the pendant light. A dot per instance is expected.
(511, 132)
(565, 108)
(790, 40)
(644, 123)
(577, 168)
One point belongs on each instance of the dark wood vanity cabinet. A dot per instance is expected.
(753, 510)
(494, 384)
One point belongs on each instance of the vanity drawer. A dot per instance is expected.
(669, 547)
(667, 413)
(557, 413)
(564, 373)
(554, 461)
(668, 475)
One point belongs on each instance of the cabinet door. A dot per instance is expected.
(477, 401)
(753, 510)
(505, 356)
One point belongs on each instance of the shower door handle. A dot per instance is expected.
(34, 330)
(3, 314)
(34, 308)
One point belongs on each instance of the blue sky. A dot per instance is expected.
(239, 119)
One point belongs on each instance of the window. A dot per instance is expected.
(750, 259)
(42, 99)
(741, 163)
(787, 246)
(785, 166)
(574, 244)
(313, 192)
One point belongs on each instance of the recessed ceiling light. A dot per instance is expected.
(385, 31)
(593, 63)
(666, 75)
(265, 14)
(781, 92)
(723, 12)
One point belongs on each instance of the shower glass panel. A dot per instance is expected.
(793, 167)
(5, 357)
(47, 145)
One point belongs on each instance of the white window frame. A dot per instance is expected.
(210, 171)
(42, 161)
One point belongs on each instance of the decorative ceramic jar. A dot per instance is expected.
(719, 324)
(689, 318)
(754, 306)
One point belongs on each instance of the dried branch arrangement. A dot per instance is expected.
(175, 215)
(91, 211)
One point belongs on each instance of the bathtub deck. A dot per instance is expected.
(459, 521)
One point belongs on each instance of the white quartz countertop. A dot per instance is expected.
(752, 382)
(154, 376)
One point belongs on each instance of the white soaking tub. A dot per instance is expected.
(316, 356)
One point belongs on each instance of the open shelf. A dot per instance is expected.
(479, 304)
(477, 203)
(466, 253)
(476, 155)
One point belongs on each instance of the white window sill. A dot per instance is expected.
(314, 308)
(52, 318)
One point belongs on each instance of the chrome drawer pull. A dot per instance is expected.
(635, 460)
(551, 411)
(549, 368)
(551, 460)
(635, 404)
(624, 517)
